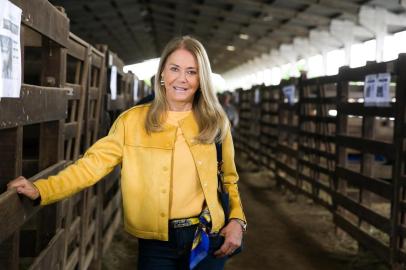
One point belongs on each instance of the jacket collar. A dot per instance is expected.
(189, 128)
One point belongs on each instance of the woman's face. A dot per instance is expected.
(181, 77)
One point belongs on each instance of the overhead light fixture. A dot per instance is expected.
(244, 36)
(230, 48)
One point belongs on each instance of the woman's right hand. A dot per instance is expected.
(25, 187)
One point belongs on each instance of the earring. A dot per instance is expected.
(162, 81)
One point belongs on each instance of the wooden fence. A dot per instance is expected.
(59, 114)
(342, 151)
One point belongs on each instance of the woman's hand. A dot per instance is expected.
(233, 238)
(25, 187)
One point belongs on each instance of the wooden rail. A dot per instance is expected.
(346, 155)
(57, 117)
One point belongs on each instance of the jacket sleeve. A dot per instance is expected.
(99, 160)
(231, 178)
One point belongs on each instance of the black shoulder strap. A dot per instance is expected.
(219, 151)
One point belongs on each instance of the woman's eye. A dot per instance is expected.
(192, 72)
(174, 69)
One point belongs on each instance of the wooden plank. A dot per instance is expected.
(288, 129)
(366, 145)
(108, 237)
(77, 48)
(366, 240)
(11, 147)
(17, 210)
(39, 13)
(97, 58)
(9, 252)
(84, 81)
(288, 107)
(73, 260)
(285, 168)
(358, 74)
(53, 69)
(70, 130)
(74, 91)
(93, 93)
(315, 167)
(377, 186)
(321, 137)
(361, 109)
(115, 105)
(318, 119)
(52, 255)
(287, 150)
(36, 104)
(364, 213)
(313, 151)
(318, 100)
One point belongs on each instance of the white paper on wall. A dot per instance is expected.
(110, 59)
(289, 93)
(370, 90)
(113, 82)
(135, 90)
(10, 53)
(257, 96)
(382, 89)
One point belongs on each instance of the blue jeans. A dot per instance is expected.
(174, 254)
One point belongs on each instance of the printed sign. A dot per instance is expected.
(376, 89)
(370, 89)
(289, 93)
(135, 90)
(110, 59)
(10, 53)
(257, 96)
(382, 89)
(113, 83)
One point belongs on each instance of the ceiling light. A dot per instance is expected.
(244, 36)
(230, 48)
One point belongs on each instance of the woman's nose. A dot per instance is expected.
(183, 76)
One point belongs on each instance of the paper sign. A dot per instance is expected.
(135, 90)
(10, 53)
(113, 83)
(110, 59)
(257, 96)
(289, 93)
(376, 89)
(370, 89)
(382, 89)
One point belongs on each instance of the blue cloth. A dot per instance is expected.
(175, 253)
(201, 241)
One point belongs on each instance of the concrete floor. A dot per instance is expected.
(285, 232)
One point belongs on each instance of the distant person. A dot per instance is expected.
(230, 109)
(167, 152)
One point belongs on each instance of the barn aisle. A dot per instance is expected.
(285, 232)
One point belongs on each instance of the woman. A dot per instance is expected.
(169, 167)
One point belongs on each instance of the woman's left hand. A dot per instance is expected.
(233, 238)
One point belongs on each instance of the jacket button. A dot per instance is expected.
(199, 162)
(162, 214)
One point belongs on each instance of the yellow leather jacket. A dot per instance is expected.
(146, 171)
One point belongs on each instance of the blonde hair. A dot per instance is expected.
(209, 114)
